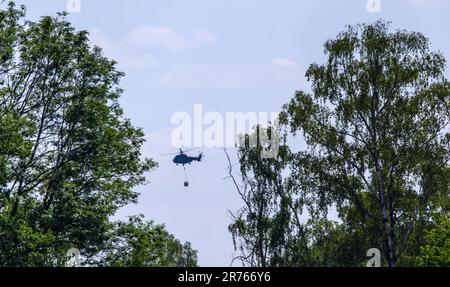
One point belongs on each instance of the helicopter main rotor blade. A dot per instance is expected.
(180, 152)
(175, 153)
(167, 154)
(196, 148)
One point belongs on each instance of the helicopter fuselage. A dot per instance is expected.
(185, 159)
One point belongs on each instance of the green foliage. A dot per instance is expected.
(68, 158)
(376, 128)
(262, 228)
(138, 243)
(436, 249)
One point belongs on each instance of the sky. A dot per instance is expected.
(229, 56)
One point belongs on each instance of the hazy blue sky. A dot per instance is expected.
(247, 55)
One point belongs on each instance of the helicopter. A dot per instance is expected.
(183, 159)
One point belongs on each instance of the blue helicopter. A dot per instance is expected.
(183, 159)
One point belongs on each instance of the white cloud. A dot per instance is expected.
(134, 51)
(283, 62)
(120, 52)
(163, 37)
(136, 61)
(156, 36)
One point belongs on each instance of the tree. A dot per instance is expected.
(68, 157)
(267, 230)
(259, 229)
(436, 250)
(143, 244)
(376, 128)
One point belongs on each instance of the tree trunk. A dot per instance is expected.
(386, 226)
